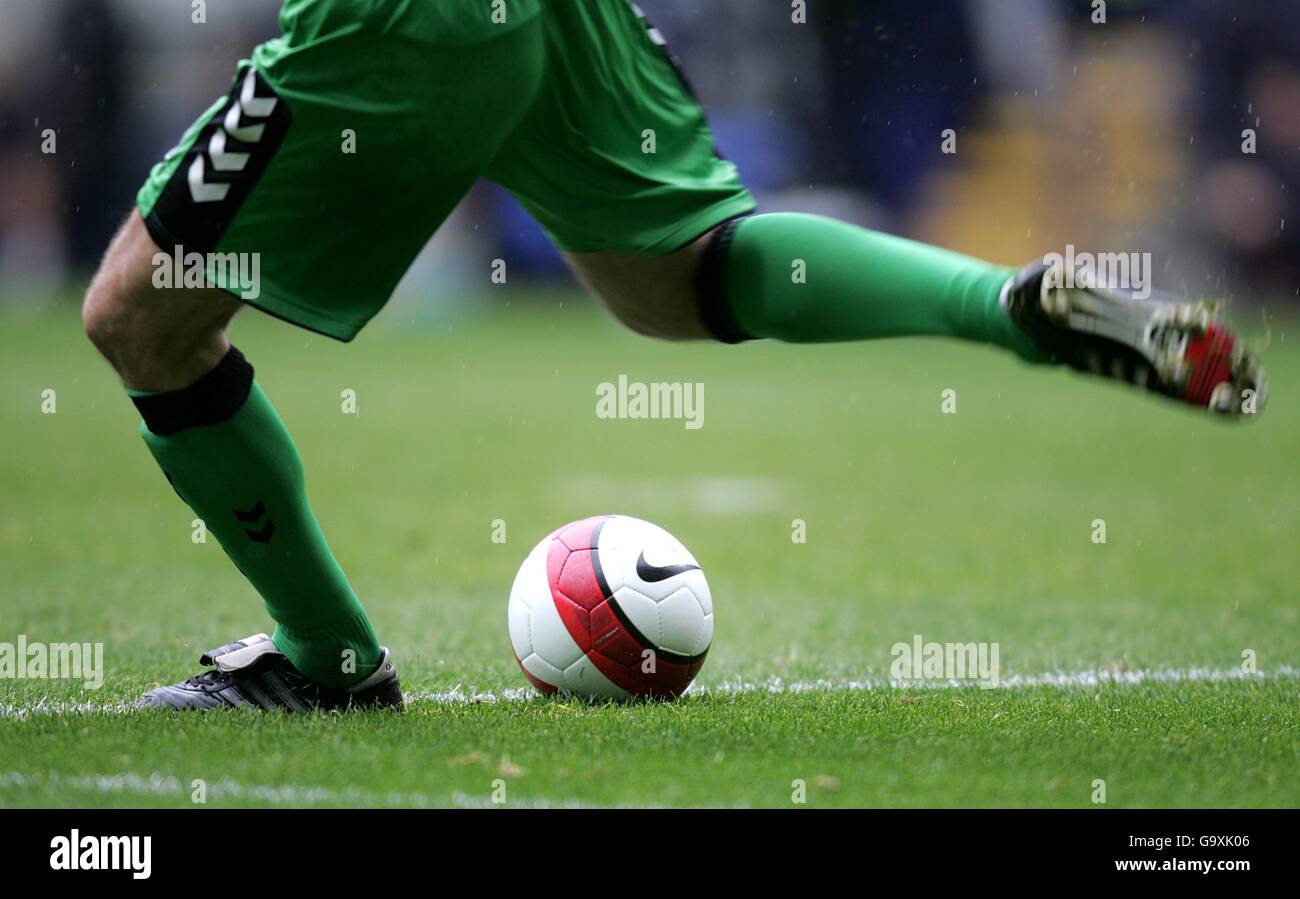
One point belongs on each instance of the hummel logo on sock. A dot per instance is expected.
(254, 517)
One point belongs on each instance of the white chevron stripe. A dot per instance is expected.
(200, 190)
(656, 36)
(221, 160)
(255, 106)
(249, 134)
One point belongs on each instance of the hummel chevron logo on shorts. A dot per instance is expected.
(221, 165)
(238, 124)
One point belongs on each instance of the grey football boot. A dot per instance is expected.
(1180, 350)
(253, 673)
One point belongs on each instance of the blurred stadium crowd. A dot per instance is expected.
(1123, 136)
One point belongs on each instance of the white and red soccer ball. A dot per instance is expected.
(611, 607)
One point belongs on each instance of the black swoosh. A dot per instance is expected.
(652, 573)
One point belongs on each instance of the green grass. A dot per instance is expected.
(966, 527)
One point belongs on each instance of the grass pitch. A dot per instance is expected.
(974, 526)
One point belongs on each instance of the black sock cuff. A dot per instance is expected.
(210, 400)
(711, 287)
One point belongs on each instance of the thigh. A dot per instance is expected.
(340, 148)
(616, 154)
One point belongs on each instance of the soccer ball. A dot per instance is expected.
(610, 607)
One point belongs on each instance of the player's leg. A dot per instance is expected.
(808, 279)
(336, 154)
(631, 223)
(805, 279)
(229, 457)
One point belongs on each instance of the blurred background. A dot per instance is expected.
(1127, 135)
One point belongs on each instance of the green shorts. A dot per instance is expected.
(344, 144)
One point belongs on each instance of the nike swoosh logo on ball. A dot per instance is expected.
(652, 573)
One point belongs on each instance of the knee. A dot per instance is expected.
(111, 310)
(106, 316)
(147, 349)
(123, 324)
(156, 339)
(142, 338)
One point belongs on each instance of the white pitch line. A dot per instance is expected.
(225, 789)
(1075, 679)
(1094, 678)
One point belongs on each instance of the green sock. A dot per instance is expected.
(807, 279)
(228, 455)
